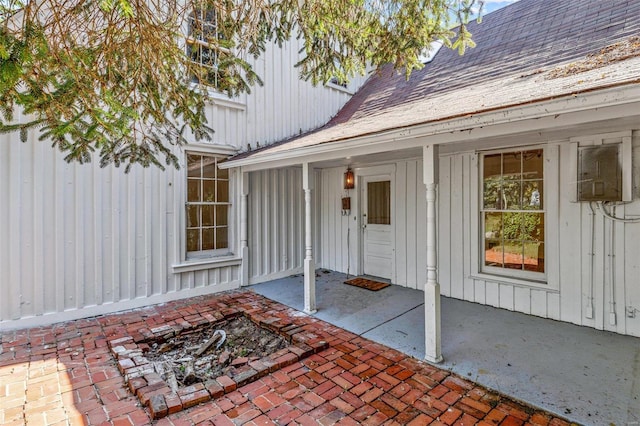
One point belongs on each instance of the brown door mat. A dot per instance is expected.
(367, 283)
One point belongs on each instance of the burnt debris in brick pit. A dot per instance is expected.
(195, 356)
(173, 368)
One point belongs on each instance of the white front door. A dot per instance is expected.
(377, 226)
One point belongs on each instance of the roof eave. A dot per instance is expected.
(483, 123)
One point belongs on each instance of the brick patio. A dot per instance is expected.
(66, 374)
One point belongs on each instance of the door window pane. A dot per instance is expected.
(379, 203)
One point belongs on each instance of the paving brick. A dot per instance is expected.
(331, 418)
(512, 421)
(322, 368)
(214, 389)
(372, 394)
(324, 387)
(195, 398)
(349, 380)
(342, 382)
(342, 405)
(384, 408)
(158, 406)
(313, 399)
(451, 397)
(420, 420)
(342, 362)
(351, 399)
(244, 375)
(376, 419)
(243, 415)
(321, 411)
(394, 402)
(301, 404)
(466, 420)
(363, 413)
(332, 393)
(404, 375)
(439, 391)
(457, 384)
(450, 416)
(495, 416)
(225, 404)
(559, 422)
(347, 421)
(539, 419)
(259, 366)
(407, 415)
(279, 411)
(431, 407)
(226, 383)
(174, 403)
(388, 378)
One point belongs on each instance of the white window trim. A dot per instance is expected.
(550, 279)
(219, 98)
(200, 264)
(339, 88)
(210, 258)
(214, 96)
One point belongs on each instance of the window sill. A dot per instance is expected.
(339, 88)
(517, 282)
(219, 98)
(210, 263)
(211, 148)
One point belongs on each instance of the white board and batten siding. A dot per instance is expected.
(283, 107)
(78, 240)
(276, 224)
(565, 297)
(566, 294)
(340, 238)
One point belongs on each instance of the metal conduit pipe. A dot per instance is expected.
(603, 208)
(589, 313)
(612, 271)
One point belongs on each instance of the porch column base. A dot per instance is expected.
(433, 352)
(309, 286)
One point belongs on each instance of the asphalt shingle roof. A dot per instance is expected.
(519, 49)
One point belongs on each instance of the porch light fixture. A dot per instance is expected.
(349, 179)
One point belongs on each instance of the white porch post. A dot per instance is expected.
(244, 224)
(433, 350)
(309, 264)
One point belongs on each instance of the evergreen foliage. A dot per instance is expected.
(109, 77)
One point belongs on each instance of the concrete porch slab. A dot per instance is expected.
(586, 375)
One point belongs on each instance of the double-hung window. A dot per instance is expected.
(205, 50)
(207, 206)
(513, 213)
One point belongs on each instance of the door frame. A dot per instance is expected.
(385, 172)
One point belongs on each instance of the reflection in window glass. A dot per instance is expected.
(513, 211)
(207, 204)
(379, 203)
(204, 50)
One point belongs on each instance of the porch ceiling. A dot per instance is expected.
(366, 159)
